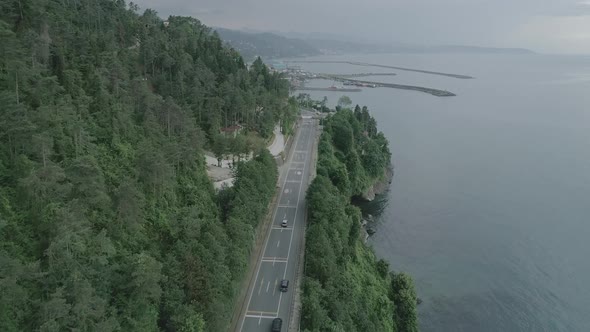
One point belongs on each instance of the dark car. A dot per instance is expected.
(276, 325)
(284, 285)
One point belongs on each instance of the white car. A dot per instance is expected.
(284, 223)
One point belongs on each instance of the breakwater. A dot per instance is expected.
(434, 92)
(364, 64)
(359, 74)
(329, 89)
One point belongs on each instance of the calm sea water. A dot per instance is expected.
(489, 209)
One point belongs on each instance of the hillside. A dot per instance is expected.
(108, 221)
(346, 288)
(266, 45)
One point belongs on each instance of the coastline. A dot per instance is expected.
(380, 186)
(343, 273)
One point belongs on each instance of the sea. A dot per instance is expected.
(489, 208)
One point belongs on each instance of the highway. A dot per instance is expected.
(280, 256)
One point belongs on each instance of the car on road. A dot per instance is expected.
(284, 223)
(284, 285)
(276, 325)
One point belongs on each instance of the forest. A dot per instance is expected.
(346, 288)
(108, 221)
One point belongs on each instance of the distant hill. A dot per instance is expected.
(477, 49)
(252, 43)
(328, 46)
(265, 44)
(331, 46)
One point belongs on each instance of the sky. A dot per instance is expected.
(547, 26)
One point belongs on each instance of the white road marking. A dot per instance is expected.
(274, 259)
(295, 155)
(260, 288)
(260, 316)
(267, 285)
(291, 239)
(278, 242)
(282, 228)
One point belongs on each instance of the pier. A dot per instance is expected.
(364, 64)
(329, 89)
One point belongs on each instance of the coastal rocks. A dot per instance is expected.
(365, 235)
(380, 186)
(366, 228)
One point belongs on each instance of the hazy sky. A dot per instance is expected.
(553, 26)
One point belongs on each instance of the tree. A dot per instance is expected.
(342, 135)
(344, 101)
(346, 287)
(405, 299)
(108, 220)
(239, 146)
(220, 148)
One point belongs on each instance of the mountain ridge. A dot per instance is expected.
(274, 44)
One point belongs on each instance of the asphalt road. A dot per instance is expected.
(283, 244)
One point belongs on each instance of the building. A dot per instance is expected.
(231, 130)
(278, 65)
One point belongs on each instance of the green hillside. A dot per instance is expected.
(108, 221)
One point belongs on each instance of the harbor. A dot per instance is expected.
(298, 78)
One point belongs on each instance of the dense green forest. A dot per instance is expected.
(108, 221)
(346, 288)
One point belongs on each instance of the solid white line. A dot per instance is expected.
(268, 236)
(282, 228)
(287, 206)
(274, 259)
(258, 316)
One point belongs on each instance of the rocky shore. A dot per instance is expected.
(380, 186)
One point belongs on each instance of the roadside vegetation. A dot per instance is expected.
(108, 221)
(346, 288)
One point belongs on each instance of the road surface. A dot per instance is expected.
(280, 255)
